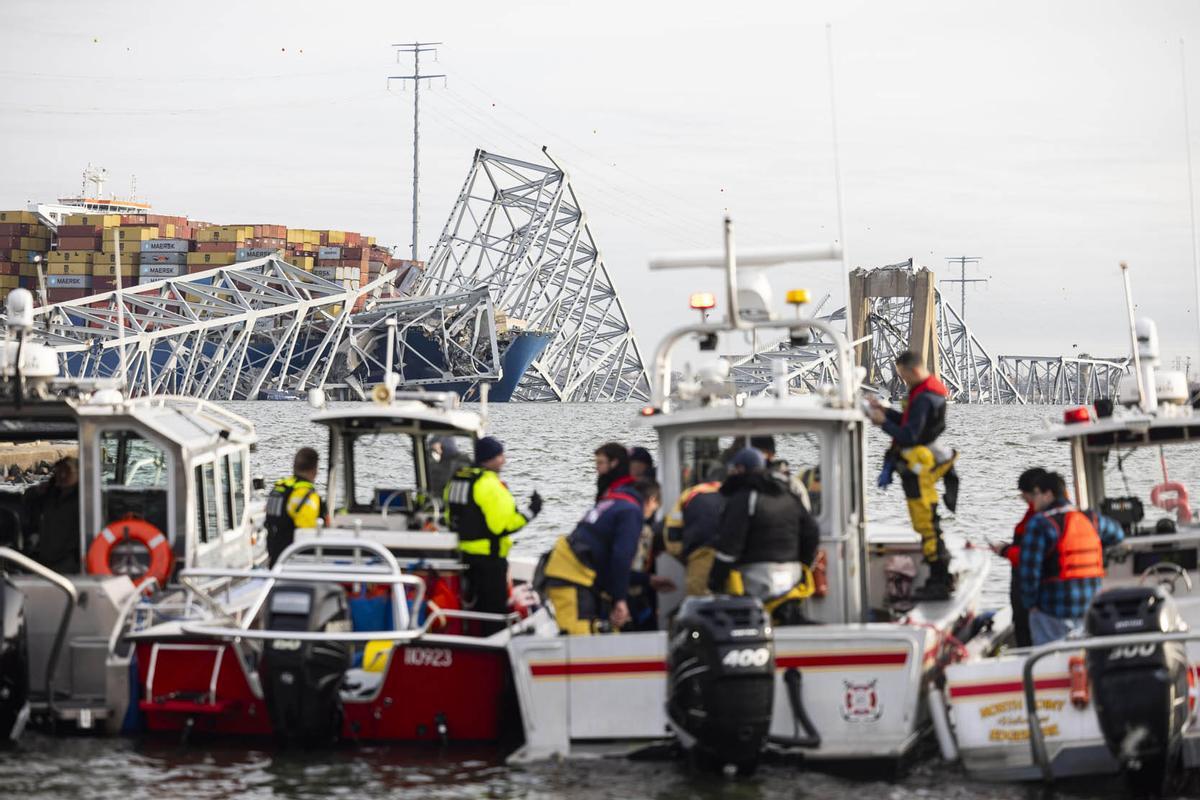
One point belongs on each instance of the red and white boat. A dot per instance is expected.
(1122, 698)
(358, 631)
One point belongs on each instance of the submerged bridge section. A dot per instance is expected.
(265, 327)
(897, 308)
(517, 228)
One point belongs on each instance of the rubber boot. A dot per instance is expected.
(940, 584)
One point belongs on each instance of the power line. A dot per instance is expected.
(415, 49)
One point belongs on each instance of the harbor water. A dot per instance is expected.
(550, 448)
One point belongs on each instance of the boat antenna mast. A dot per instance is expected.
(416, 48)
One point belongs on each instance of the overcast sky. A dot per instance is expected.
(1045, 137)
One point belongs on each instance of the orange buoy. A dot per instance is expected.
(99, 555)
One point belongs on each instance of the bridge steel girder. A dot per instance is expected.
(517, 229)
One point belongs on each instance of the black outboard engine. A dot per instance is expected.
(301, 679)
(14, 663)
(1141, 691)
(721, 679)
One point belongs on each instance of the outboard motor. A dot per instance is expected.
(1141, 691)
(302, 679)
(721, 679)
(14, 663)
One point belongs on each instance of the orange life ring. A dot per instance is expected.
(138, 530)
(1172, 496)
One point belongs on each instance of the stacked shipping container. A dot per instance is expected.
(82, 258)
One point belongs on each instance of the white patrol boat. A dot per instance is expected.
(163, 483)
(1123, 697)
(851, 686)
(359, 631)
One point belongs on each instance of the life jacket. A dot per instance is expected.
(466, 518)
(935, 423)
(702, 528)
(279, 522)
(1079, 552)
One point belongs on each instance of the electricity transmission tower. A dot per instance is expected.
(416, 48)
(962, 280)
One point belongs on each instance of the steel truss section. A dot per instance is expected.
(447, 339)
(517, 229)
(967, 368)
(1061, 380)
(225, 334)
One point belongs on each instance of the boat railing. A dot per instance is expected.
(729, 261)
(67, 588)
(238, 424)
(1037, 741)
(127, 609)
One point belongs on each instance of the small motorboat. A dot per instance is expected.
(718, 677)
(1121, 699)
(163, 483)
(358, 632)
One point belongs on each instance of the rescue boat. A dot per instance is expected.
(358, 631)
(1121, 698)
(718, 677)
(163, 483)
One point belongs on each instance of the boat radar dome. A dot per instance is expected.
(1158, 386)
(19, 309)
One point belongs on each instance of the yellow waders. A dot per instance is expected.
(919, 475)
(569, 585)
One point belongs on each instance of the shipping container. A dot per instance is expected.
(66, 295)
(109, 270)
(66, 268)
(79, 243)
(72, 257)
(329, 253)
(166, 246)
(251, 253)
(216, 247)
(303, 262)
(23, 217)
(161, 271)
(129, 259)
(163, 258)
(102, 220)
(211, 259)
(68, 281)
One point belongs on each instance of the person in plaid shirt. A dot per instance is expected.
(1062, 560)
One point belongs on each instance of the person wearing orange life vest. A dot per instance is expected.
(1062, 560)
(691, 529)
(921, 464)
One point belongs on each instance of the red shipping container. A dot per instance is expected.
(79, 230)
(79, 243)
(353, 239)
(14, 229)
(217, 247)
(63, 295)
(9, 268)
(352, 253)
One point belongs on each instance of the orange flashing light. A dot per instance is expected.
(703, 301)
(649, 411)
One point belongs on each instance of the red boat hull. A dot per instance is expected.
(438, 691)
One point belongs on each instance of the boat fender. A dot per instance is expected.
(941, 723)
(1172, 496)
(99, 555)
(820, 574)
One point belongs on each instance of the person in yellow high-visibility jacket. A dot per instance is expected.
(484, 514)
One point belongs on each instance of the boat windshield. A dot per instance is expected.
(384, 469)
(135, 476)
(796, 456)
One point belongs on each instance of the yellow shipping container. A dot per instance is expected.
(335, 237)
(22, 256)
(110, 271)
(64, 268)
(370, 241)
(19, 217)
(8, 282)
(101, 220)
(226, 233)
(71, 257)
(28, 270)
(168, 231)
(136, 233)
(303, 262)
(211, 259)
(34, 243)
(111, 258)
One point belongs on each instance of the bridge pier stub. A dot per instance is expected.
(901, 281)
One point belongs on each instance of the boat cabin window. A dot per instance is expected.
(208, 522)
(797, 457)
(233, 477)
(380, 470)
(1148, 489)
(135, 476)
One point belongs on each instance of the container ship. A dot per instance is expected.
(92, 244)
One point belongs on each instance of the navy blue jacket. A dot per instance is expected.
(909, 432)
(606, 539)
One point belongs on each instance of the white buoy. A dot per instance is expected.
(941, 724)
